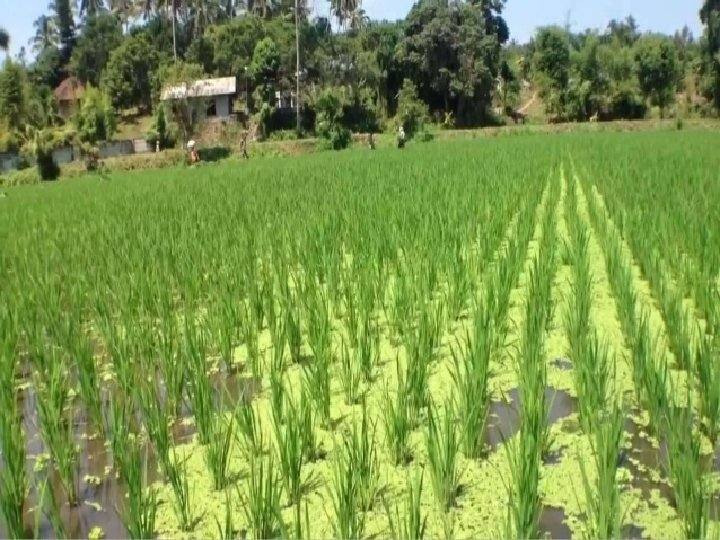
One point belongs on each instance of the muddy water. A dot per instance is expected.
(504, 417)
(552, 523)
(101, 493)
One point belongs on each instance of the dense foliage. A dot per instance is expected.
(458, 56)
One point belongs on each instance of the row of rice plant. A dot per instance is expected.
(673, 422)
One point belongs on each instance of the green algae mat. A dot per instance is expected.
(507, 338)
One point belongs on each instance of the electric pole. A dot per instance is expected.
(297, 67)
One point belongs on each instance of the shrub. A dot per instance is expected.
(328, 124)
(411, 111)
(95, 121)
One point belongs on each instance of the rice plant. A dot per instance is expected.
(361, 450)
(183, 503)
(261, 498)
(13, 483)
(397, 422)
(289, 445)
(140, 511)
(685, 470)
(350, 375)
(605, 512)
(442, 446)
(471, 375)
(411, 524)
(217, 451)
(347, 519)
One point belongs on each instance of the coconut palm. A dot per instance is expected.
(46, 34)
(91, 7)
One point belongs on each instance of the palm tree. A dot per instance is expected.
(45, 33)
(345, 10)
(91, 7)
(4, 39)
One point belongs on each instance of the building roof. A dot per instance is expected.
(71, 89)
(203, 88)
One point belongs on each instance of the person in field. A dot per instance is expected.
(371, 141)
(243, 144)
(401, 137)
(194, 157)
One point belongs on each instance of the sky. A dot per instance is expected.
(523, 16)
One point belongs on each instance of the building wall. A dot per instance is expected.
(222, 106)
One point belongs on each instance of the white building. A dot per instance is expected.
(219, 93)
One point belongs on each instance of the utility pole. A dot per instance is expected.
(173, 21)
(297, 67)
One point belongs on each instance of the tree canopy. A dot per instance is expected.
(454, 60)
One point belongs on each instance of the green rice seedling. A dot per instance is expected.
(709, 380)
(277, 396)
(173, 371)
(48, 507)
(471, 375)
(261, 498)
(524, 505)
(350, 319)
(306, 419)
(650, 379)
(602, 499)
(13, 482)
(249, 433)
(293, 331)
(89, 381)
(56, 425)
(412, 524)
(367, 353)
(350, 375)
(117, 426)
(225, 530)
(288, 441)
(348, 521)
(250, 335)
(397, 422)
(139, 513)
(279, 338)
(685, 470)
(302, 522)
(362, 452)
(417, 372)
(317, 381)
(200, 387)
(217, 450)
(182, 496)
(442, 447)
(156, 421)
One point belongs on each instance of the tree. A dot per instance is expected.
(411, 112)
(128, 76)
(452, 55)
(66, 27)
(551, 61)
(4, 39)
(328, 123)
(656, 62)
(46, 34)
(710, 66)
(13, 96)
(95, 121)
(92, 8)
(265, 66)
(100, 35)
(625, 32)
(184, 107)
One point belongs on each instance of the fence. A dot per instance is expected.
(11, 161)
